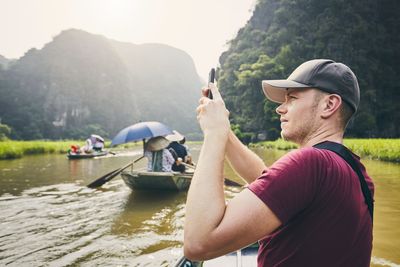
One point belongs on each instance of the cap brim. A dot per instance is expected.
(275, 90)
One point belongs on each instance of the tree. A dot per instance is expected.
(365, 35)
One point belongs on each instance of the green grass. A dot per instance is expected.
(17, 149)
(277, 144)
(381, 149)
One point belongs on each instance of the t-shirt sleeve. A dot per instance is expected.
(290, 184)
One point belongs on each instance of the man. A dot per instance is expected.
(308, 208)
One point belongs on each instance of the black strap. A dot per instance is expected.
(346, 155)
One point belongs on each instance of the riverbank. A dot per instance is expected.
(17, 149)
(380, 149)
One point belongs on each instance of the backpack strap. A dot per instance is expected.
(343, 152)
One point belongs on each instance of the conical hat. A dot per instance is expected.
(156, 143)
(175, 137)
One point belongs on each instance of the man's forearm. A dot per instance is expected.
(244, 161)
(205, 204)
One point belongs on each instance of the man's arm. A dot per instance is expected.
(212, 227)
(245, 162)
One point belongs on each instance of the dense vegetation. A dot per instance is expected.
(81, 84)
(382, 149)
(363, 34)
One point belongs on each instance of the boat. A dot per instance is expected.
(245, 257)
(144, 180)
(72, 155)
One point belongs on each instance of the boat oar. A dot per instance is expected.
(230, 182)
(105, 178)
(227, 181)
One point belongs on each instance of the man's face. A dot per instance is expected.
(298, 115)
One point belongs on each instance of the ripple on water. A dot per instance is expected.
(67, 224)
(48, 223)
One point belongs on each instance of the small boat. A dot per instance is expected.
(245, 257)
(72, 155)
(144, 180)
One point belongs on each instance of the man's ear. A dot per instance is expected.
(331, 104)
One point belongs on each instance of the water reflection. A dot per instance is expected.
(156, 211)
(387, 212)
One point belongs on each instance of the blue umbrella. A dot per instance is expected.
(139, 131)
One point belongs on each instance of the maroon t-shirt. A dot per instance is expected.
(325, 222)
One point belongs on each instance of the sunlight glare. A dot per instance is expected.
(114, 11)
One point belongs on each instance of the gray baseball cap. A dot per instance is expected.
(324, 74)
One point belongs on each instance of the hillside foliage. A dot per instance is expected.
(282, 34)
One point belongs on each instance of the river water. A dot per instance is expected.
(50, 218)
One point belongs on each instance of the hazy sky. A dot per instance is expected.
(199, 27)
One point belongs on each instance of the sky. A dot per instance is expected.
(201, 28)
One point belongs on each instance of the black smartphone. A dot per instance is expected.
(211, 78)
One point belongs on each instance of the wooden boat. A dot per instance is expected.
(144, 180)
(72, 155)
(246, 257)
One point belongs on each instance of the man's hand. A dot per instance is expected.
(212, 114)
(188, 160)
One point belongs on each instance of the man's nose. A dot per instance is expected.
(281, 109)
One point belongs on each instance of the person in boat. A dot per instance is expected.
(188, 159)
(93, 143)
(98, 143)
(88, 147)
(309, 208)
(178, 151)
(159, 158)
(75, 149)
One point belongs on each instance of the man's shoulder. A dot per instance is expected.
(304, 159)
(311, 157)
(306, 154)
